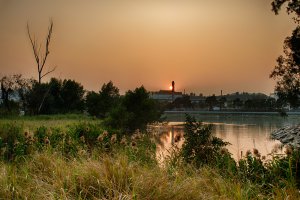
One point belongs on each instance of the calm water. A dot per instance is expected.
(244, 132)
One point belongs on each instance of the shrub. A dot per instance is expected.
(13, 143)
(200, 146)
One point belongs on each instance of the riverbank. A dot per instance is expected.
(289, 135)
(227, 112)
(83, 160)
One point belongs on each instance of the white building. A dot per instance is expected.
(165, 95)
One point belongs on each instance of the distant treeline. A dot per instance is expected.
(128, 112)
(229, 102)
(28, 96)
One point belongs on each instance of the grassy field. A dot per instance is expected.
(31, 123)
(74, 157)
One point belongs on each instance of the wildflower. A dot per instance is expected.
(16, 143)
(133, 137)
(177, 138)
(49, 131)
(289, 150)
(82, 139)
(248, 153)
(255, 151)
(133, 144)
(113, 138)
(100, 138)
(105, 133)
(87, 129)
(46, 141)
(82, 152)
(152, 140)
(26, 134)
(123, 141)
(137, 131)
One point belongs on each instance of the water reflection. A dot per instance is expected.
(242, 132)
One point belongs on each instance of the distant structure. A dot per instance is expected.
(173, 90)
(166, 95)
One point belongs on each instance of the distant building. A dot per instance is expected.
(165, 95)
(197, 99)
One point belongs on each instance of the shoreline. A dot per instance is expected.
(228, 112)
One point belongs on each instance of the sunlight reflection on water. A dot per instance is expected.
(242, 132)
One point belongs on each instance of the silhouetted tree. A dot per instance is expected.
(135, 110)
(72, 94)
(100, 104)
(14, 85)
(182, 102)
(222, 102)
(287, 70)
(211, 101)
(57, 96)
(237, 103)
(93, 103)
(41, 57)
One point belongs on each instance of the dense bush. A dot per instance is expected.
(56, 96)
(100, 104)
(135, 110)
(200, 146)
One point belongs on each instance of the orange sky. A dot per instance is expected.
(203, 45)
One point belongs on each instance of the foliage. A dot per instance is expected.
(14, 88)
(83, 161)
(287, 70)
(135, 111)
(100, 104)
(200, 146)
(181, 102)
(54, 97)
(211, 101)
(13, 143)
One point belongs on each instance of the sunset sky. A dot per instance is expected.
(203, 45)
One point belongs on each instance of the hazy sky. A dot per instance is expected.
(203, 45)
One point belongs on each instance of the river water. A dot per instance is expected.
(243, 131)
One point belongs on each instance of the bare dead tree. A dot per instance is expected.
(41, 57)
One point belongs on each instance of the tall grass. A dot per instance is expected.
(85, 161)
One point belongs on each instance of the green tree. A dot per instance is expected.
(100, 104)
(287, 70)
(141, 108)
(55, 97)
(14, 86)
(93, 103)
(200, 146)
(135, 110)
(72, 96)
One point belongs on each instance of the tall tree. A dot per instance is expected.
(99, 104)
(287, 70)
(40, 55)
(14, 85)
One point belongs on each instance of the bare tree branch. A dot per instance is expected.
(52, 70)
(41, 57)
